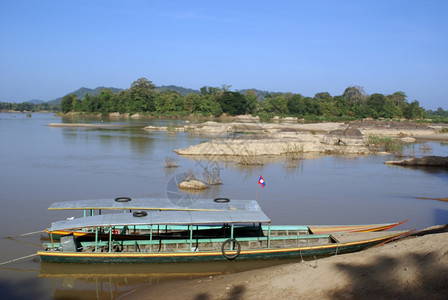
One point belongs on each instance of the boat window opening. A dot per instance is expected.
(110, 239)
(150, 238)
(190, 227)
(269, 236)
(96, 239)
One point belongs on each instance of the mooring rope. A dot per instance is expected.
(30, 233)
(23, 234)
(16, 259)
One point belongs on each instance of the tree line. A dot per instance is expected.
(143, 98)
(28, 106)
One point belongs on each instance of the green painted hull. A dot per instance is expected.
(270, 253)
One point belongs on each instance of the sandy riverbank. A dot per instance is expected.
(412, 268)
(252, 139)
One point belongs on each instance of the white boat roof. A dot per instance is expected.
(158, 204)
(165, 217)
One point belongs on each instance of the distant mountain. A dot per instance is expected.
(80, 93)
(260, 94)
(182, 91)
(36, 101)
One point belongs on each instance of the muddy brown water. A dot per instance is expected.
(41, 165)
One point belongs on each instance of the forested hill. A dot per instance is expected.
(80, 93)
(182, 91)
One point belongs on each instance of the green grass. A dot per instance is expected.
(387, 144)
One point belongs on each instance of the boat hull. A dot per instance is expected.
(198, 256)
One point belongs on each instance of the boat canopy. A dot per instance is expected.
(168, 217)
(219, 204)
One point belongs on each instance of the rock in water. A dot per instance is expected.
(192, 185)
(426, 161)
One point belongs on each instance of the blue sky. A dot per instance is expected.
(51, 48)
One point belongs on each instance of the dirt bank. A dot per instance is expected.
(282, 138)
(412, 268)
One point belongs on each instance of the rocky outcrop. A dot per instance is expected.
(192, 185)
(427, 161)
(215, 128)
(256, 138)
(279, 143)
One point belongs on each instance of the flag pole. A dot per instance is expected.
(256, 194)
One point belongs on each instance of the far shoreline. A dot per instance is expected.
(247, 136)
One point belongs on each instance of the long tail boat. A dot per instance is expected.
(126, 204)
(159, 236)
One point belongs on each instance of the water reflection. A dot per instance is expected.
(440, 216)
(110, 281)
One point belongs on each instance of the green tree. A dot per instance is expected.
(391, 109)
(376, 104)
(208, 90)
(354, 94)
(141, 96)
(67, 103)
(360, 110)
(168, 101)
(323, 96)
(296, 105)
(232, 103)
(91, 103)
(123, 101)
(326, 104)
(77, 105)
(399, 99)
(209, 106)
(413, 110)
(311, 107)
(341, 107)
(191, 102)
(251, 101)
(278, 104)
(107, 102)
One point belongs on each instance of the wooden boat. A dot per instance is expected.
(126, 204)
(160, 236)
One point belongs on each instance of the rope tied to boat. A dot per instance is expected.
(16, 259)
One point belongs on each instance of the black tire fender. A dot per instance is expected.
(122, 199)
(140, 213)
(236, 245)
(221, 200)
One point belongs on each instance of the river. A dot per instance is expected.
(41, 165)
